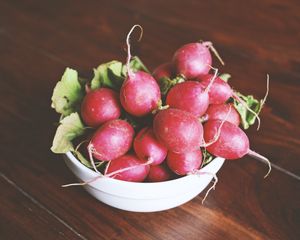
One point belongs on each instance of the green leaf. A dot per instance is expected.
(166, 83)
(106, 75)
(113, 73)
(82, 159)
(70, 127)
(67, 93)
(137, 65)
(225, 77)
(247, 117)
(207, 157)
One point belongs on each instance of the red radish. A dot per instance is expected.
(147, 147)
(178, 130)
(189, 96)
(184, 163)
(164, 70)
(127, 168)
(220, 90)
(140, 93)
(231, 142)
(113, 139)
(99, 106)
(159, 173)
(192, 60)
(223, 112)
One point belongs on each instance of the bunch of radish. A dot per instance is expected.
(159, 126)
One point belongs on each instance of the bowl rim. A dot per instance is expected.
(78, 164)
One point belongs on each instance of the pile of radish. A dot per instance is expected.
(133, 125)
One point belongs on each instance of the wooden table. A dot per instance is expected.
(39, 39)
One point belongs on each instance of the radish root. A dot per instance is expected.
(150, 160)
(267, 91)
(213, 187)
(129, 71)
(91, 150)
(210, 46)
(212, 79)
(261, 158)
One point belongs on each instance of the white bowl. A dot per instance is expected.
(143, 197)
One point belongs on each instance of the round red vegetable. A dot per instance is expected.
(192, 60)
(219, 92)
(189, 96)
(178, 130)
(140, 94)
(164, 70)
(184, 163)
(99, 106)
(232, 142)
(159, 173)
(112, 140)
(127, 168)
(222, 112)
(147, 147)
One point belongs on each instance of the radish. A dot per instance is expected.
(228, 141)
(194, 59)
(147, 147)
(164, 70)
(220, 90)
(178, 130)
(127, 168)
(99, 106)
(140, 93)
(222, 111)
(113, 139)
(184, 163)
(189, 96)
(159, 173)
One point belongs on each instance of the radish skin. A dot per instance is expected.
(222, 111)
(112, 140)
(192, 60)
(189, 96)
(178, 130)
(146, 147)
(184, 163)
(159, 173)
(164, 70)
(99, 106)
(127, 168)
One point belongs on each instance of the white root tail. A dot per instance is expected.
(91, 150)
(212, 80)
(262, 159)
(215, 52)
(267, 91)
(213, 187)
(129, 71)
(112, 174)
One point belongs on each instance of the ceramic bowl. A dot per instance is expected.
(143, 197)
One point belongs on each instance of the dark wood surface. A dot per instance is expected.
(39, 39)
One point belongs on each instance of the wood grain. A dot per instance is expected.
(39, 39)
